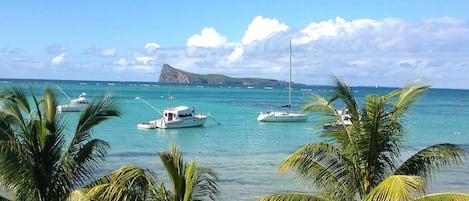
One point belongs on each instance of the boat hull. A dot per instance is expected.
(71, 108)
(194, 121)
(282, 117)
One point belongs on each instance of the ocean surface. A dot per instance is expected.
(244, 152)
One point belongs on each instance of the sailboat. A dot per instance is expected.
(284, 115)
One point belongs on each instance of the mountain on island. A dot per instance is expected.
(170, 74)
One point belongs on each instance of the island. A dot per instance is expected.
(170, 74)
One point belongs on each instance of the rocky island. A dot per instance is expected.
(170, 74)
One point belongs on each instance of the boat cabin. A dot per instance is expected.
(179, 112)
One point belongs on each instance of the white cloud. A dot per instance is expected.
(261, 28)
(145, 60)
(58, 59)
(236, 54)
(152, 46)
(144, 68)
(209, 37)
(122, 62)
(338, 28)
(109, 52)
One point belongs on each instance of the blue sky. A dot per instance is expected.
(387, 43)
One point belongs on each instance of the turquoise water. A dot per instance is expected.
(244, 152)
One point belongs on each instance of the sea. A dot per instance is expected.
(246, 153)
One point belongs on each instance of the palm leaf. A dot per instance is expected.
(444, 197)
(126, 183)
(343, 92)
(398, 187)
(320, 105)
(425, 162)
(294, 197)
(174, 166)
(376, 142)
(407, 96)
(84, 154)
(206, 187)
(325, 167)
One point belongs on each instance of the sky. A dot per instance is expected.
(364, 43)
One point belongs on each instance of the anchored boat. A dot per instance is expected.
(176, 117)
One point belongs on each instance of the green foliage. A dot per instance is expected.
(189, 182)
(126, 183)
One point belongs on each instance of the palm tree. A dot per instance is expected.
(362, 159)
(126, 183)
(39, 160)
(189, 182)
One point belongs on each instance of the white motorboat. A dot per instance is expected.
(283, 116)
(176, 117)
(345, 119)
(75, 105)
(147, 125)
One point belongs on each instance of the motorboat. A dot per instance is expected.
(75, 105)
(147, 125)
(345, 119)
(283, 115)
(176, 117)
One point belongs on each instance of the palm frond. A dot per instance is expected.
(174, 166)
(325, 167)
(398, 187)
(343, 92)
(425, 162)
(408, 95)
(84, 154)
(126, 183)
(190, 177)
(320, 105)
(294, 197)
(206, 187)
(444, 197)
(96, 112)
(376, 142)
(84, 163)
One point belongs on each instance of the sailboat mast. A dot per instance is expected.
(289, 82)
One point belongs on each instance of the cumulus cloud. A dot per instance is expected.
(58, 59)
(209, 37)
(108, 52)
(261, 28)
(122, 62)
(145, 60)
(236, 54)
(152, 46)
